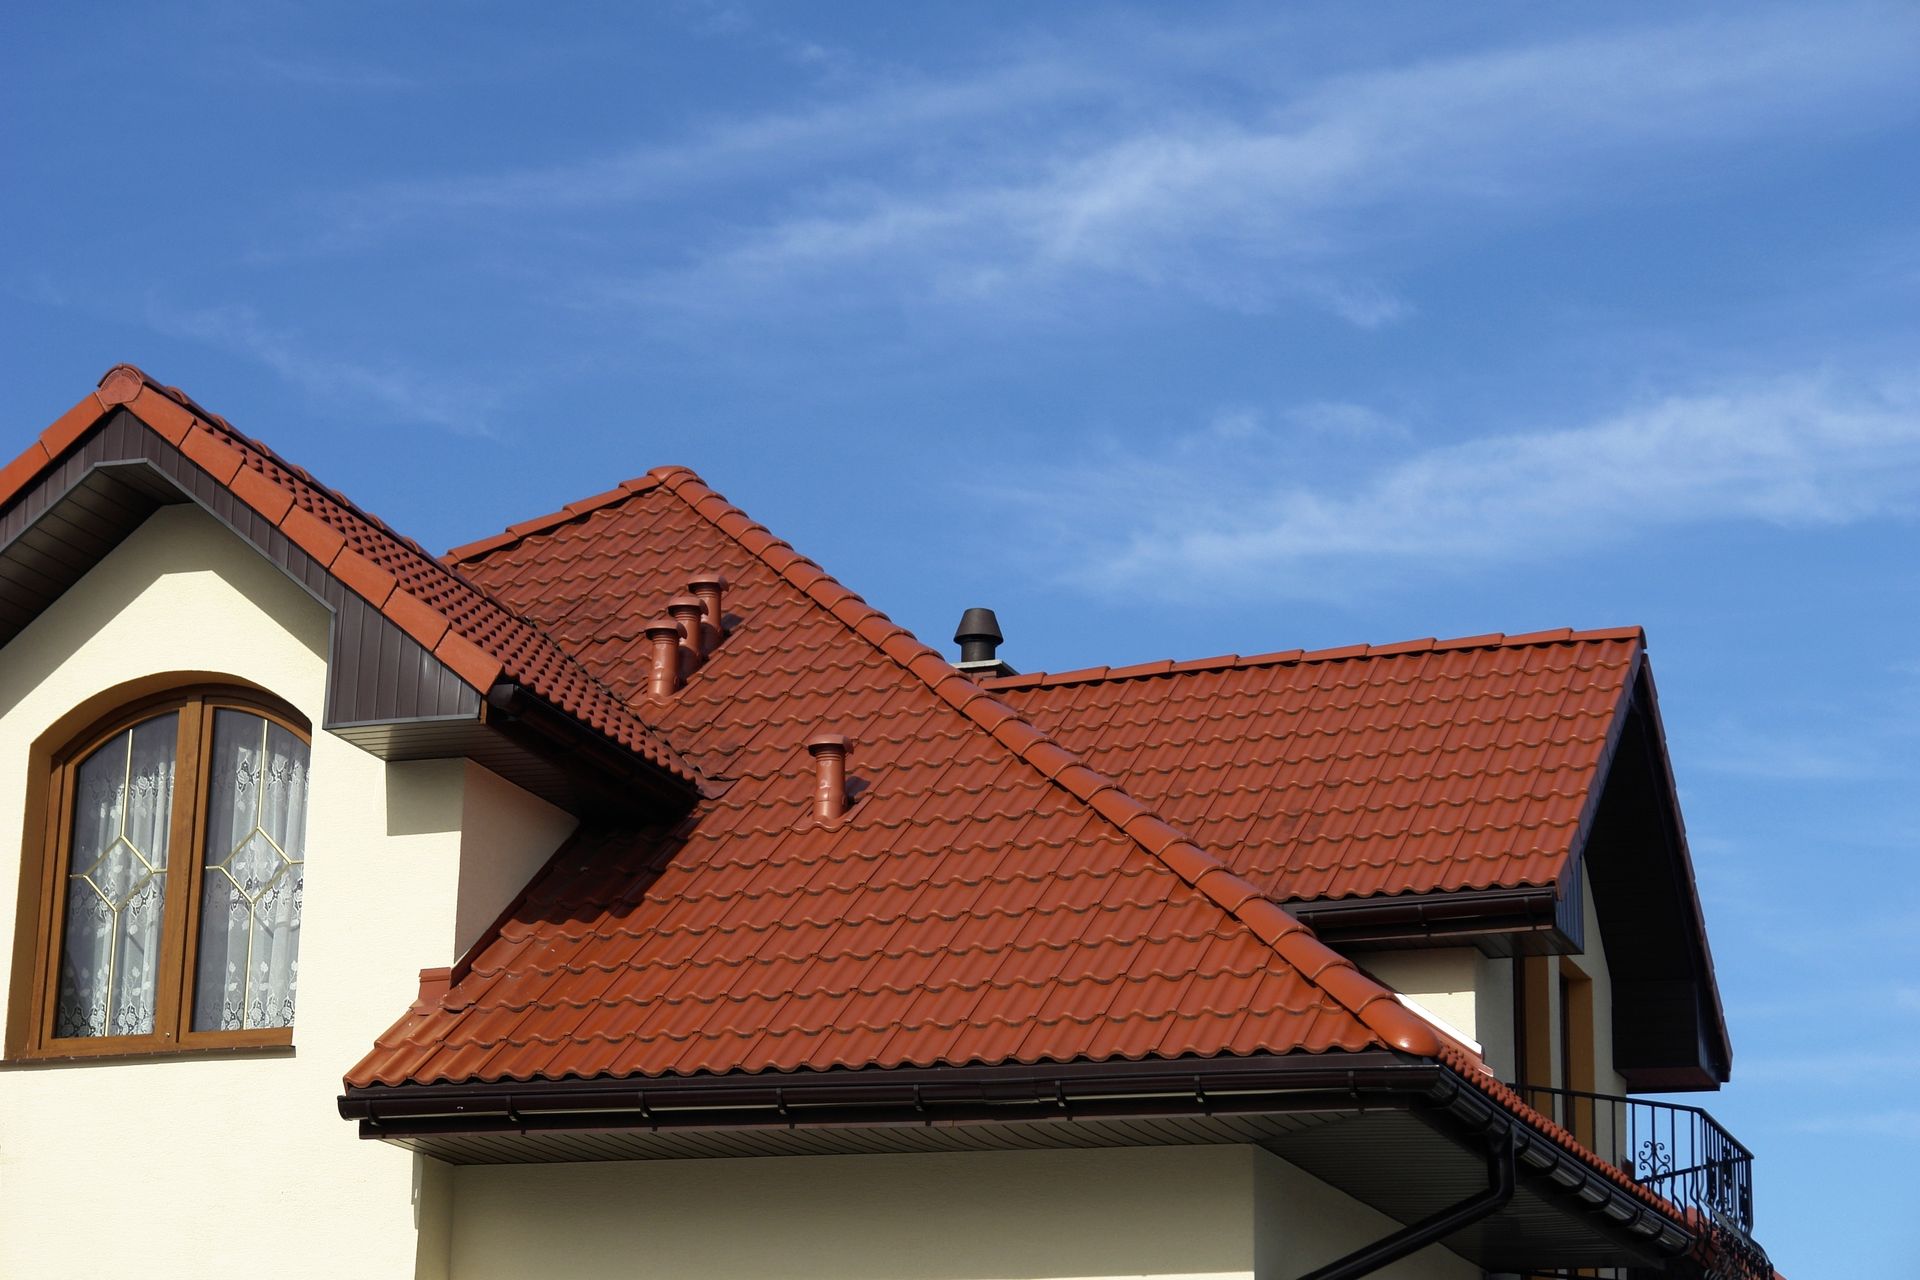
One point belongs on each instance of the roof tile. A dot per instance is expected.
(1410, 768)
(966, 909)
(212, 454)
(361, 575)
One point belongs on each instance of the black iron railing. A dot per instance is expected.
(1677, 1151)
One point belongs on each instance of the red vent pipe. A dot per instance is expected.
(710, 588)
(829, 752)
(664, 635)
(690, 615)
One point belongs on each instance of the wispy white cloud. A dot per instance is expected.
(1774, 754)
(711, 17)
(1890, 1124)
(1843, 1066)
(388, 388)
(1344, 419)
(1070, 163)
(849, 129)
(1264, 206)
(310, 72)
(1811, 450)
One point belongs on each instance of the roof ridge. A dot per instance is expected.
(520, 530)
(1281, 657)
(259, 446)
(1373, 1004)
(211, 443)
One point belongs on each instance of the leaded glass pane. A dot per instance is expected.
(117, 883)
(254, 871)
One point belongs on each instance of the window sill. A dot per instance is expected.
(220, 1051)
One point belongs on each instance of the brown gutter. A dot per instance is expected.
(1457, 914)
(1353, 1083)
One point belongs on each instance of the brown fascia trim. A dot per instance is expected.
(1647, 699)
(873, 1093)
(1369, 1080)
(1462, 915)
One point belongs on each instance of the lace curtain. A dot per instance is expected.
(253, 876)
(117, 883)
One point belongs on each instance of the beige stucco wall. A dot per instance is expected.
(237, 1166)
(505, 836)
(1451, 983)
(1473, 994)
(1301, 1223)
(1186, 1212)
(1593, 964)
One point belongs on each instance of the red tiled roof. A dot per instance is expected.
(479, 639)
(1407, 768)
(987, 899)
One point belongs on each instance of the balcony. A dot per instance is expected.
(1680, 1153)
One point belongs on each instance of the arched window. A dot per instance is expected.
(175, 876)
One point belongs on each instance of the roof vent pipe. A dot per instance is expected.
(664, 635)
(710, 587)
(690, 614)
(979, 637)
(829, 752)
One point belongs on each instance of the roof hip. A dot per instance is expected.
(1377, 1008)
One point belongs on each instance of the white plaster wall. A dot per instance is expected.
(1493, 1016)
(1444, 981)
(1301, 1223)
(1174, 1212)
(1593, 963)
(506, 835)
(1474, 994)
(212, 1167)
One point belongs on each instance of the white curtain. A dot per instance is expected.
(253, 875)
(117, 883)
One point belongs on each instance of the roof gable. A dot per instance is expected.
(131, 445)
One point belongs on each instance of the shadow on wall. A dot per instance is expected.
(174, 542)
(424, 797)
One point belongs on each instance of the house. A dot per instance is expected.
(671, 912)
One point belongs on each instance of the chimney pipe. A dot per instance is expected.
(664, 635)
(691, 615)
(829, 752)
(979, 635)
(710, 586)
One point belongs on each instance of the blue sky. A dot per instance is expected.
(1224, 328)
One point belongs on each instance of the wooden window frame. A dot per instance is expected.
(31, 1036)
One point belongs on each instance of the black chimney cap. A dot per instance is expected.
(979, 636)
(978, 624)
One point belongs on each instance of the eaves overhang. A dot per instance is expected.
(1397, 1132)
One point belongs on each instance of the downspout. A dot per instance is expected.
(1409, 1239)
